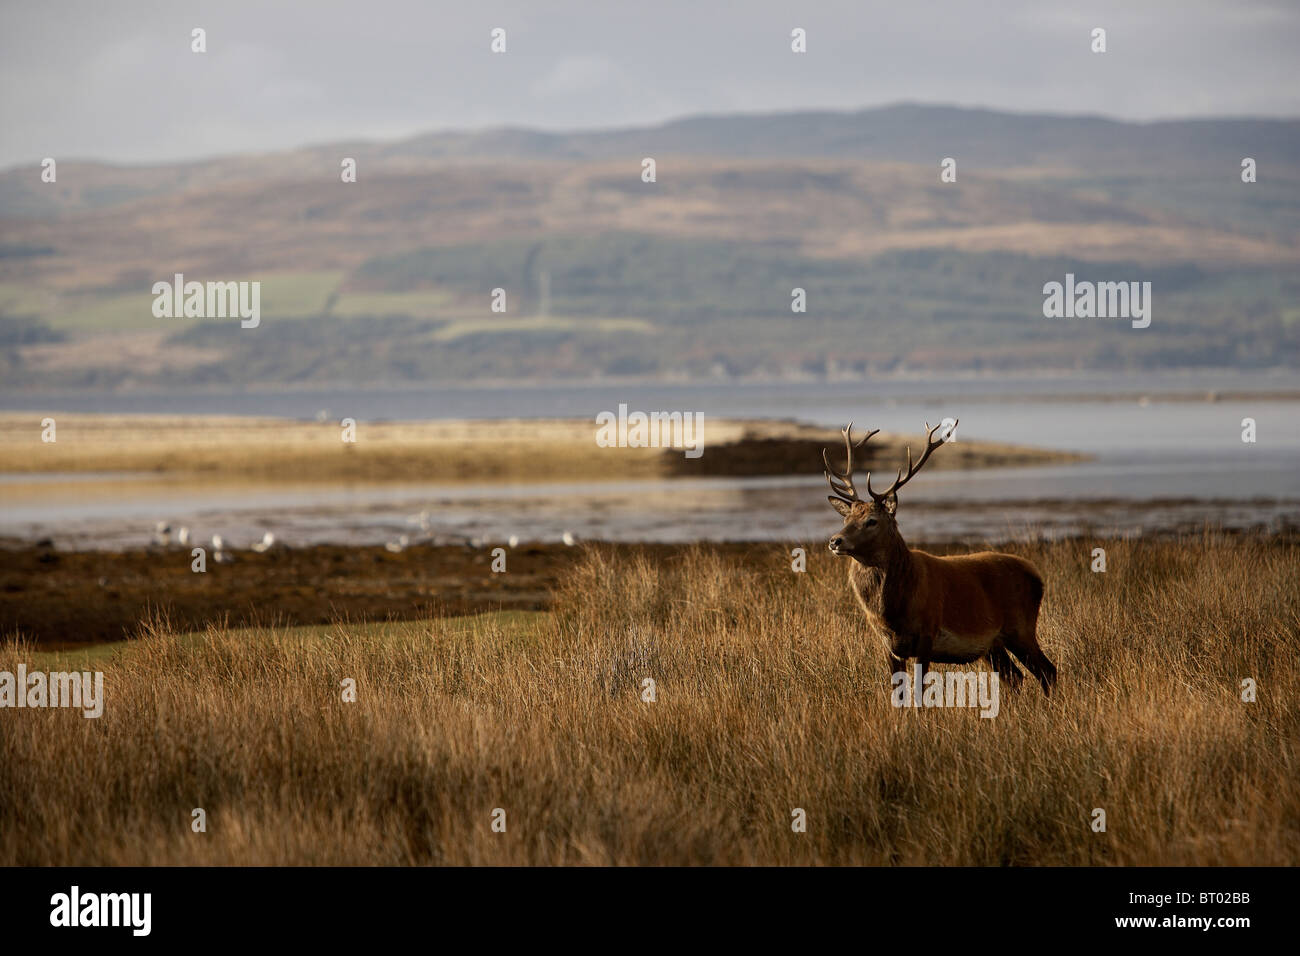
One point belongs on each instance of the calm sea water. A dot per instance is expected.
(820, 402)
(1168, 457)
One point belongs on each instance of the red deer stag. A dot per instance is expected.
(944, 610)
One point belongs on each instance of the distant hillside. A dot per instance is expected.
(389, 278)
(906, 133)
(984, 141)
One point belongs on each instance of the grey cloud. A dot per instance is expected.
(116, 81)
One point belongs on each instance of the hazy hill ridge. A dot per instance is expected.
(390, 276)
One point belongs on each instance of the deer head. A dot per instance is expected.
(870, 533)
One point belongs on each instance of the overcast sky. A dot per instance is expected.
(115, 79)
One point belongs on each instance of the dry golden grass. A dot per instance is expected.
(520, 450)
(770, 697)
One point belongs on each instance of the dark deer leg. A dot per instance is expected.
(1008, 673)
(1031, 655)
(1043, 669)
(924, 648)
(896, 665)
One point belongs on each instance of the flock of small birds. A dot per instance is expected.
(162, 538)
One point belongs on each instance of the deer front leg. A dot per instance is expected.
(897, 650)
(924, 649)
(896, 665)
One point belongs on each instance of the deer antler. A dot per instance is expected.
(841, 482)
(930, 446)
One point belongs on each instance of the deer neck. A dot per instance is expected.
(897, 571)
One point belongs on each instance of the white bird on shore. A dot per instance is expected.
(568, 539)
(162, 534)
(398, 545)
(183, 536)
(513, 541)
(268, 539)
(218, 555)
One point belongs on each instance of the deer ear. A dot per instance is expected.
(840, 505)
(891, 503)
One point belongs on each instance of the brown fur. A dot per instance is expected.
(947, 610)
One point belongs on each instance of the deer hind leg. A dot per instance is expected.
(1044, 670)
(1027, 651)
(1008, 673)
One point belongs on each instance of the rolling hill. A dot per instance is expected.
(390, 278)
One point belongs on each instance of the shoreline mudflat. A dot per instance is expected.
(67, 599)
(63, 599)
(489, 451)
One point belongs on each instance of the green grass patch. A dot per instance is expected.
(479, 326)
(519, 627)
(286, 295)
(297, 294)
(423, 304)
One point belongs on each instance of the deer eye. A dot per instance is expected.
(870, 522)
